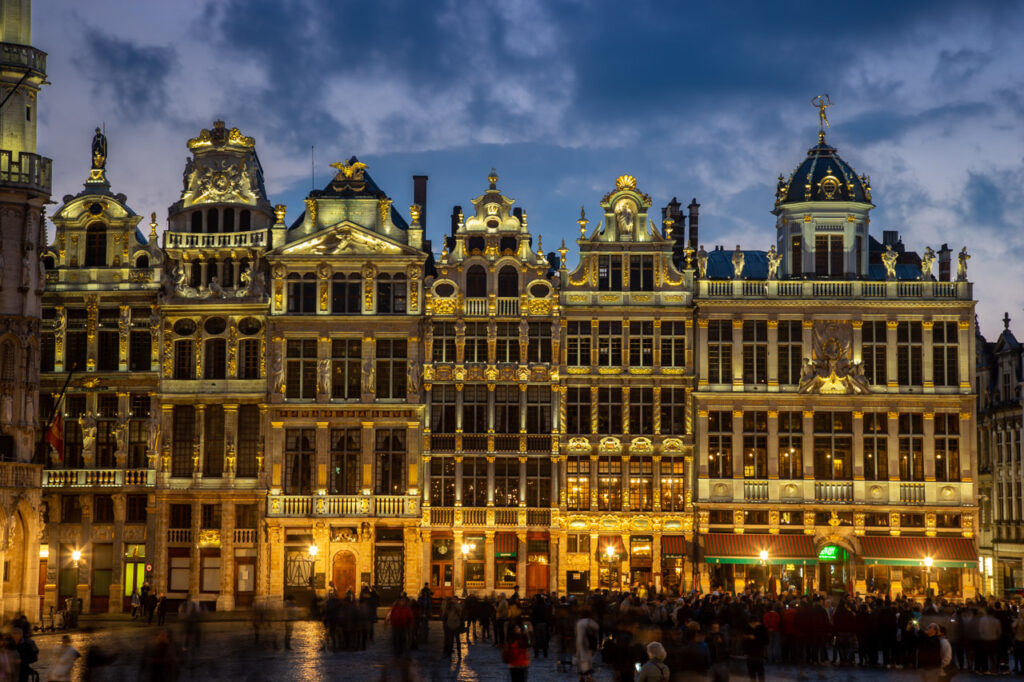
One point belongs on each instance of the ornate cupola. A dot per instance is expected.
(822, 213)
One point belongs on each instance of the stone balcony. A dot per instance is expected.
(25, 171)
(250, 239)
(343, 506)
(809, 491)
(19, 475)
(834, 289)
(99, 478)
(17, 56)
(499, 517)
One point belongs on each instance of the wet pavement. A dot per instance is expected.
(227, 653)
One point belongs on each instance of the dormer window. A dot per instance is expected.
(475, 246)
(609, 273)
(476, 282)
(96, 245)
(508, 245)
(197, 222)
(508, 282)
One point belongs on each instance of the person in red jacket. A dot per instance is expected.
(401, 619)
(772, 622)
(517, 655)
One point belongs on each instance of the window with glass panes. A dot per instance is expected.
(577, 543)
(74, 408)
(947, 447)
(609, 273)
(873, 349)
(474, 482)
(790, 351)
(391, 366)
(577, 492)
(578, 343)
(391, 294)
(876, 446)
(48, 352)
(184, 359)
(577, 413)
(908, 353)
(249, 359)
(507, 346)
(641, 484)
(346, 447)
(828, 255)
(641, 344)
(720, 351)
(475, 348)
(506, 481)
(755, 352)
(299, 460)
(911, 447)
(249, 440)
(390, 452)
(755, 444)
(641, 410)
(140, 349)
(183, 425)
(538, 346)
(215, 362)
(720, 444)
(106, 443)
(302, 293)
(609, 482)
(346, 369)
(673, 344)
(443, 349)
(538, 409)
(442, 481)
(474, 406)
(138, 430)
(673, 484)
(673, 411)
(609, 411)
(345, 294)
(442, 409)
(300, 369)
(107, 340)
(641, 273)
(213, 441)
(538, 482)
(945, 340)
(609, 344)
(791, 445)
(833, 446)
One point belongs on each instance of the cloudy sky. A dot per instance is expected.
(562, 96)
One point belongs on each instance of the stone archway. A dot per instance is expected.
(343, 572)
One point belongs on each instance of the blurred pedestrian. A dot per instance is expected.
(516, 654)
(64, 667)
(451, 622)
(291, 614)
(159, 659)
(587, 642)
(401, 619)
(654, 670)
(136, 602)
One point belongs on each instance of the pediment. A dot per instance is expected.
(345, 239)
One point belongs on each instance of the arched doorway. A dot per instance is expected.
(344, 572)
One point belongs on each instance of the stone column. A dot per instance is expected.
(593, 482)
(458, 480)
(737, 355)
(702, 442)
(425, 551)
(322, 458)
(893, 445)
(595, 565)
(490, 480)
(702, 358)
(773, 364)
(808, 444)
(929, 451)
(275, 565)
(773, 439)
(858, 446)
(656, 559)
(890, 354)
(927, 360)
(226, 597)
(968, 455)
(367, 456)
(459, 579)
(198, 453)
(414, 458)
(230, 443)
(195, 560)
(158, 516)
(488, 561)
(965, 354)
(522, 481)
(116, 604)
(737, 444)
(521, 561)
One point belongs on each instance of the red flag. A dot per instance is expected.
(55, 436)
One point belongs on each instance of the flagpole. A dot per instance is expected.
(56, 407)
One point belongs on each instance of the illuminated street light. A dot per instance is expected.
(928, 561)
(764, 556)
(313, 550)
(76, 556)
(609, 552)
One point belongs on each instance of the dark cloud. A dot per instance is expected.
(133, 77)
(957, 68)
(984, 199)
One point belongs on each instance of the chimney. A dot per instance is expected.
(456, 212)
(891, 238)
(944, 263)
(419, 196)
(694, 214)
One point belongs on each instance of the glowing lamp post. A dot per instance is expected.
(313, 551)
(466, 549)
(76, 556)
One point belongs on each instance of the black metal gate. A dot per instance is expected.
(389, 572)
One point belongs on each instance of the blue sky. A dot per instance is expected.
(562, 96)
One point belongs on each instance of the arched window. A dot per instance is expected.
(245, 220)
(229, 220)
(196, 277)
(212, 221)
(7, 359)
(508, 282)
(476, 282)
(142, 261)
(96, 245)
(197, 221)
(211, 270)
(48, 262)
(227, 273)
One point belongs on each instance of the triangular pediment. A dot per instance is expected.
(346, 238)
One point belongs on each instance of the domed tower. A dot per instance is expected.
(822, 214)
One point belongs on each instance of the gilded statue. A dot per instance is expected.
(625, 216)
(889, 258)
(702, 262)
(99, 150)
(780, 189)
(927, 260)
(413, 377)
(323, 376)
(774, 260)
(369, 377)
(822, 102)
(738, 261)
(961, 265)
(830, 369)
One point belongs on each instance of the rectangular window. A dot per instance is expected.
(609, 273)
(947, 447)
(210, 573)
(945, 349)
(538, 482)
(103, 508)
(213, 441)
(346, 448)
(796, 256)
(390, 454)
(507, 347)
(210, 516)
(577, 543)
(249, 440)
(300, 366)
(791, 445)
(302, 294)
(755, 352)
(609, 411)
(215, 364)
(577, 410)
(474, 482)
(346, 369)
(47, 351)
(673, 411)
(391, 368)
(720, 444)
(70, 509)
(876, 446)
(538, 409)
(578, 343)
(609, 344)
(673, 344)
(641, 273)
(873, 347)
(180, 516)
(911, 447)
(299, 458)
(184, 359)
(135, 509)
(577, 494)
(442, 409)
(609, 483)
(475, 348)
(345, 294)
(140, 349)
(790, 348)
(673, 484)
(755, 445)
(908, 353)
(506, 482)
(249, 359)
(474, 408)
(720, 351)
(107, 351)
(538, 347)
(184, 426)
(444, 342)
(641, 344)
(641, 411)
(828, 255)
(391, 294)
(442, 481)
(76, 350)
(833, 446)
(641, 482)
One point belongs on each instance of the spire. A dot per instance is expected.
(493, 179)
(1006, 321)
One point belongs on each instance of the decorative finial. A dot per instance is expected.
(1006, 321)
(582, 221)
(822, 102)
(668, 226)
(624, 182)
(493, 178)
(540, 247)
(414, 213)
(152, 225)
(562, 251)
(279, 213)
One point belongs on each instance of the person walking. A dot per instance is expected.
(64, 667)
(160, 659)
(929, 654)
(516, 654)
(754, 642)
(587, 643)
(500, 620)
(401, 620)
(1018, 643)
(136, 603)
(654, 670)
(451, 622)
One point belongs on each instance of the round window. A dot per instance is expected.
(444, 290)
(249, 325)
(185, 327)
(215, 325)
(95, 209)
(539, 290)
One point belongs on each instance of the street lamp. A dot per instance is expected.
(466, 548)
(928, 561)
(313, 551)
(763, 556)
(76, 556)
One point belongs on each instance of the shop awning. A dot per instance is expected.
(911, 551)
(736, 548)
(505, 545)
(675, 547)
(613, 540)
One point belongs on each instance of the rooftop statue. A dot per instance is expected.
(889, 258)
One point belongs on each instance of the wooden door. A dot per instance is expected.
(536, 578)
(42, 586)
(245, 580)
(344, 573)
